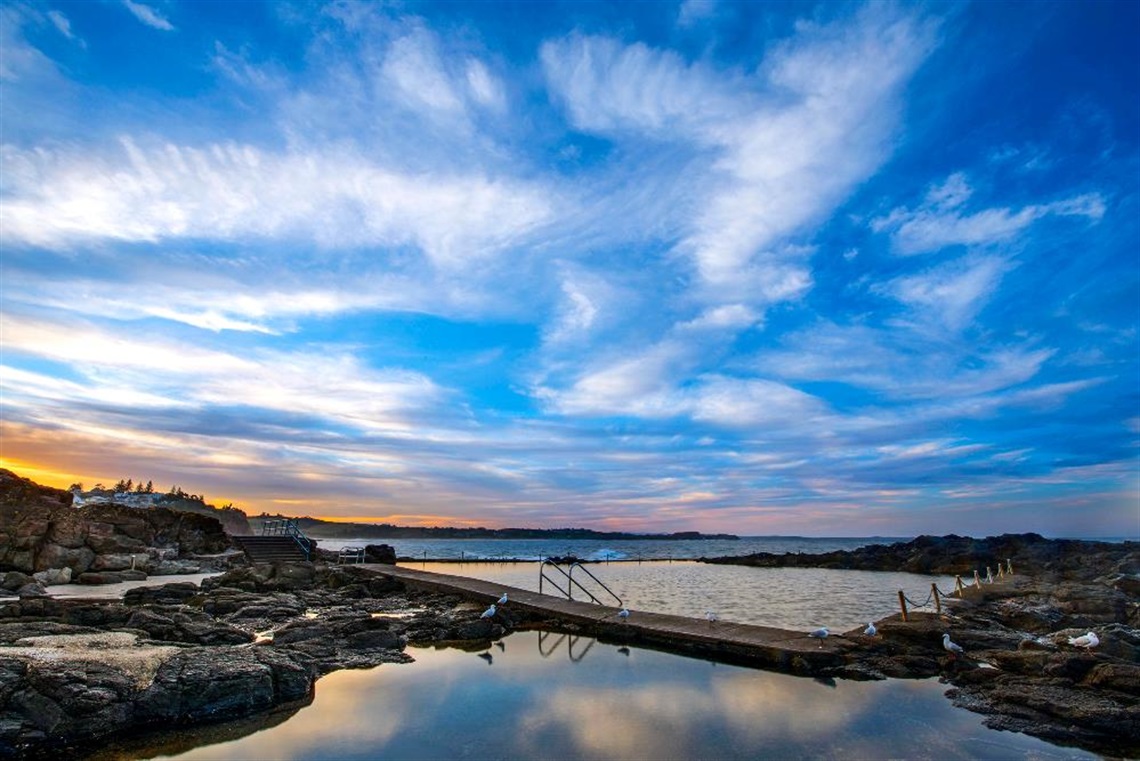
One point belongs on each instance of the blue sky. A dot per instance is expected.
(767, 268)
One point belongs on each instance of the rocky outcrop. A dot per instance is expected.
(41, 533)
(74, 673)
(234, 521)
(1019, 668)
(1032, 554)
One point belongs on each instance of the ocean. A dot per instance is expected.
(596, 550)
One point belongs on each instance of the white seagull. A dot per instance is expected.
(951, 647)
(870, 631)
(1087, 641)
(710, 617)
(623, 614)
(820, 634)
(503, 599)
(489, 612)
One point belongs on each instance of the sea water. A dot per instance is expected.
(598, 549)
(650, 575)
(786, 598)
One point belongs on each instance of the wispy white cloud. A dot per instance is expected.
(939, 221)
(148, 16)
(900, 364)
(950, 295)
(329, 383)
(62, 23)
(485, 88)
(412, 64)
(783, 146)
(235, 192)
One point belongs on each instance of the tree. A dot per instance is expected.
(150, 487)
(77, 486)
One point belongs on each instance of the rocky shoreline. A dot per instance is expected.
(1019, 668)
(79, 674)
(76, 674)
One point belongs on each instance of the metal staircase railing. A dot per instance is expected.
(547, 650)
(289, 527)
(572, 583)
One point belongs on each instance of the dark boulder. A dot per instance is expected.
(380, 553)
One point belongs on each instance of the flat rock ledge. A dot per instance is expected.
(79, 675)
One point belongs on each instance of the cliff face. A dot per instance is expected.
(41, 531)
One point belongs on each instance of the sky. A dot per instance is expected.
(825, 269)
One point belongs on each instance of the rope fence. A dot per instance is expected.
(936, 594)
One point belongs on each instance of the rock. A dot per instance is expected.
(1123, 677)
(13, 580)
(113, 562)
(174, 567)
(53, 576)
(168, 594)
(40, 530)
(77, 559)
(35, 589)
(204, 684)
(380, 553)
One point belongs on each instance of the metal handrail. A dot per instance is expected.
(350, 555)
(572, 582)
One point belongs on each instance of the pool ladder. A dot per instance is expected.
(572, 583)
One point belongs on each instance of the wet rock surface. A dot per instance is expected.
(177, 655)
(1018, 666)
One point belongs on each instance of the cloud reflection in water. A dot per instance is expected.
(608, 705)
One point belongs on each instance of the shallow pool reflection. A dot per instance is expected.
(549, 696)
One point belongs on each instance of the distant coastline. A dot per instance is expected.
(321, 529)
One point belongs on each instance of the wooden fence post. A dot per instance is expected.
(977, 579)
(937, 599)
(902, 604)
(959, 587)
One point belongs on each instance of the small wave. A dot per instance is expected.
(605, 553)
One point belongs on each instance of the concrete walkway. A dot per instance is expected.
(720, 640)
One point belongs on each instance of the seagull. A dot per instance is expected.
(870, 631)
(820, 634)
(503, 599)
(951, 647)
(623, 650)
(487, 657)
(489, 612)
(623, 614)
(710, 617)
(1087, 641)
(501, 645)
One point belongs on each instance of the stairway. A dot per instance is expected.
(271, 549)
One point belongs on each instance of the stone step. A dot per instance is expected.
(268, 549)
